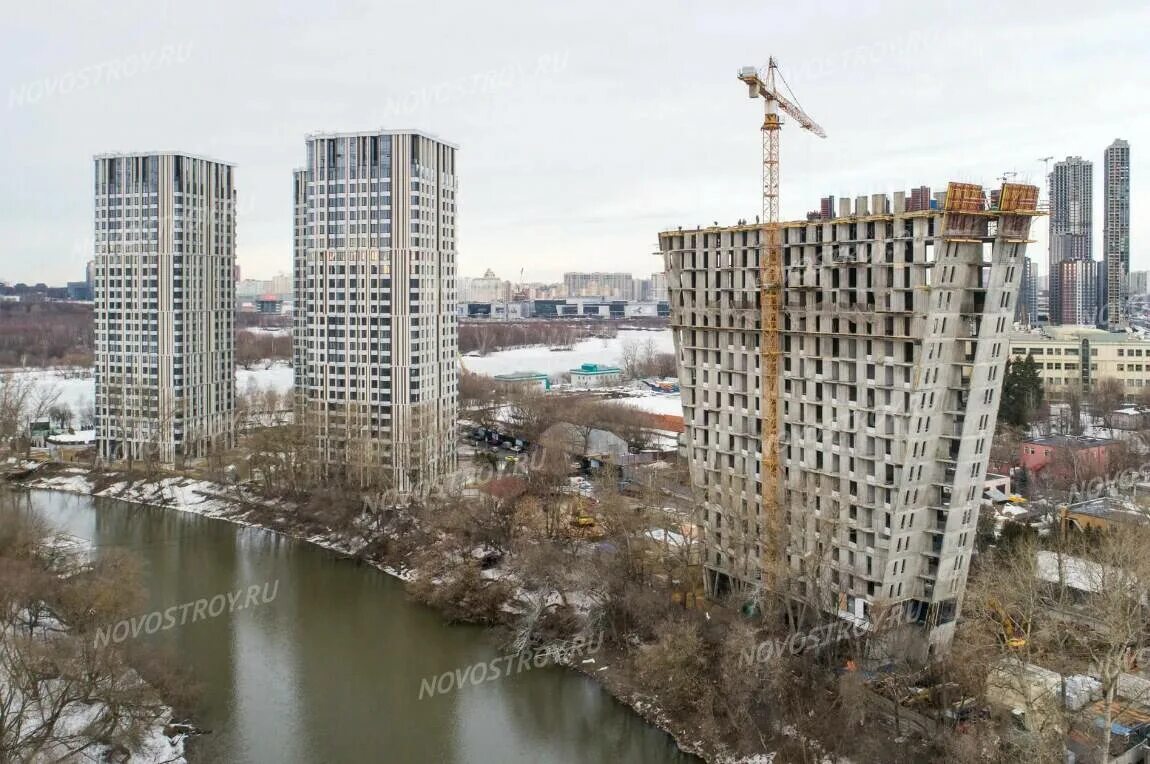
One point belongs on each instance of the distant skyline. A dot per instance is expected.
(579, 139)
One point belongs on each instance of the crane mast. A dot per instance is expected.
(770, 306)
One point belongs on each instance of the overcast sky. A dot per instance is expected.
(584, 128)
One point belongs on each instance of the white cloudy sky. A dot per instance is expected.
(584, 128)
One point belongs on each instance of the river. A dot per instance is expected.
(330, 669)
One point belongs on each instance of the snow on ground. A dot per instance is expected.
(78, 387)
(79, 437)
(539, 358)
(273, 331)
(279, 376)
(656, 403)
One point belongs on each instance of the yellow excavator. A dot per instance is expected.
(1012, 632)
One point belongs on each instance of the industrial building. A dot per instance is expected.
(530, 380)
(892, 344)
(596, 375)
(165, 239)
(375, 328)
(1075, 358)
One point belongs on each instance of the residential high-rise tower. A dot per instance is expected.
(1071, 222)
(165, 239)
(1027, 312)
(376, 338)
(1116, 230)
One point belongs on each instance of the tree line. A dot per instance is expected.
(46, 334)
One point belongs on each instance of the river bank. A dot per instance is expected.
(63, 696)
(228, 503)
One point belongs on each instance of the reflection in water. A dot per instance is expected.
(331, 669)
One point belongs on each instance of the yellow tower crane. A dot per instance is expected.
(770, 299)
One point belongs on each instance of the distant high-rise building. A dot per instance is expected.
(487, 288)
(165, 306)
(375, 328)
(616, 285)
(1116, 230)
(1027, 312)
(1137, 282)
(885, 396)
(827, 207)
(659, 286)
(281, 285)
(1078, 291)
(1042, 306)
(919, 199)
(1071, 226)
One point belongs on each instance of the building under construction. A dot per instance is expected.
(891, 350)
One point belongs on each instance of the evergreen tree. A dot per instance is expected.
(1022, 392)
(1031, 384)
(1009, 411)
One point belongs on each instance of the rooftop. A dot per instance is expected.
(379, 131)
(596, 368)
(1110, 508)
(1021, 197)
(185, 154)
(1076, 334)
(521, 375)
(1070, 441)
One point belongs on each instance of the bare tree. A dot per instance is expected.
(1077, 608)
(61, 415)
(23, 399)
(1107, 397)
(1071, 423)
(54, 670)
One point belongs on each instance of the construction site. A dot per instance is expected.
(840, 378)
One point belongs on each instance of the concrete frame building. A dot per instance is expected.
(893, 345)
(165, 239)
(375, 327)
(1116, 230)
(1071, 221)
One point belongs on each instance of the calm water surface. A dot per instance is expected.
(330, 670)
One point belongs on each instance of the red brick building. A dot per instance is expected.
(1066, 457)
